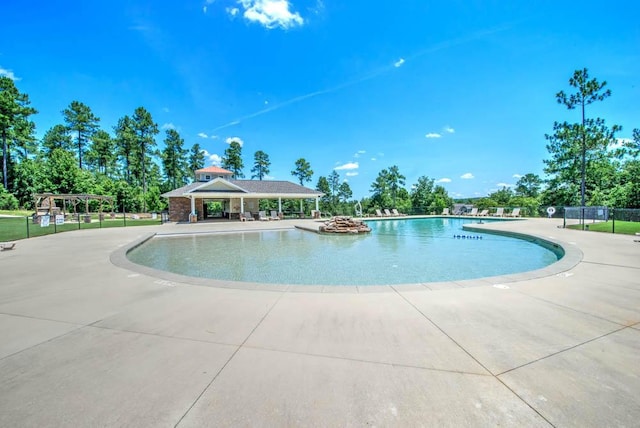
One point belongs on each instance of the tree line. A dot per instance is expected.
(587, 164)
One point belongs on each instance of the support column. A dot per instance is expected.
(279, 205)
(193, 217)
(241, 205)
(317, 204)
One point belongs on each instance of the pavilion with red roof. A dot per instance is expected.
(215, 184)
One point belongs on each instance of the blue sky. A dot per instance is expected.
(460, 91)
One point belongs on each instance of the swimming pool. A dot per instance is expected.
(396, 252)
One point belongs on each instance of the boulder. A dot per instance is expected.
(341, 224)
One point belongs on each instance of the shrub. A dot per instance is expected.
(7, 200)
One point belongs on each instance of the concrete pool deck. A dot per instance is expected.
(84, 342)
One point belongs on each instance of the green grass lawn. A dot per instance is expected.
(623, 227)
(23, 213)
(14, 228)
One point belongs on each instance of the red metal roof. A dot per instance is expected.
(214, 170)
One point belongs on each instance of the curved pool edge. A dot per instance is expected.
(572, 256)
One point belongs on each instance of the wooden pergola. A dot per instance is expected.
(45, 203)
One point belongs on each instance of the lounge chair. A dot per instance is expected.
(379, 213)
(473, 212)
(7, 246)
(262, 216)
(499, 212)
(246, 216)
(483, 213)
(514, 213)
(274, 215)
(387, 213)
(445, 211)
(396, 213)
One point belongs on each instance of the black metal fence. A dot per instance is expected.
(603, 219)
(14, 228)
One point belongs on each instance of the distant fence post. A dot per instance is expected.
(613, 220)
(27, 218)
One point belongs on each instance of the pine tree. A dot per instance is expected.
(81, 120)
(232, 159)
(145, 130)
(174, 159)
(590, 132)
(261, 165)
(14, 106)
(101, 154)
(303, 171)
(126, 145)
(56, 138)
(196, 159)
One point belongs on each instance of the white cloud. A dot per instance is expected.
(467, 176)
(233, 11)
(449, 130)
(202, 135)
(351, 174)
(374, 159)
(168, 126)
(8, 73)
(206, 5)
(517, 176)
(215, 160)
(270, 13)
(347, 166)
(501, 185)
(398, 63)
(444, 180)
(433, 135)
(232, 139)
(620, 142)
(359, 153)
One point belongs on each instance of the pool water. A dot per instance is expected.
(395, 252)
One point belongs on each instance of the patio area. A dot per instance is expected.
(84, 342)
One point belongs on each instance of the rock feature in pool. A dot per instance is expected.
(344, 225)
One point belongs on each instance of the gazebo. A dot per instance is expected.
(45, 203)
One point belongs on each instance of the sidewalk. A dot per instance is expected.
(84, 342)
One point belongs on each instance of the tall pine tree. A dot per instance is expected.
(261, 165)
(81, 121)
(232, 159)
(145, 129)
(174, 160)
(14, 106)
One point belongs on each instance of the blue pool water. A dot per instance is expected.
(396, 252)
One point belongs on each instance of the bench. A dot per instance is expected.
(7, 246)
